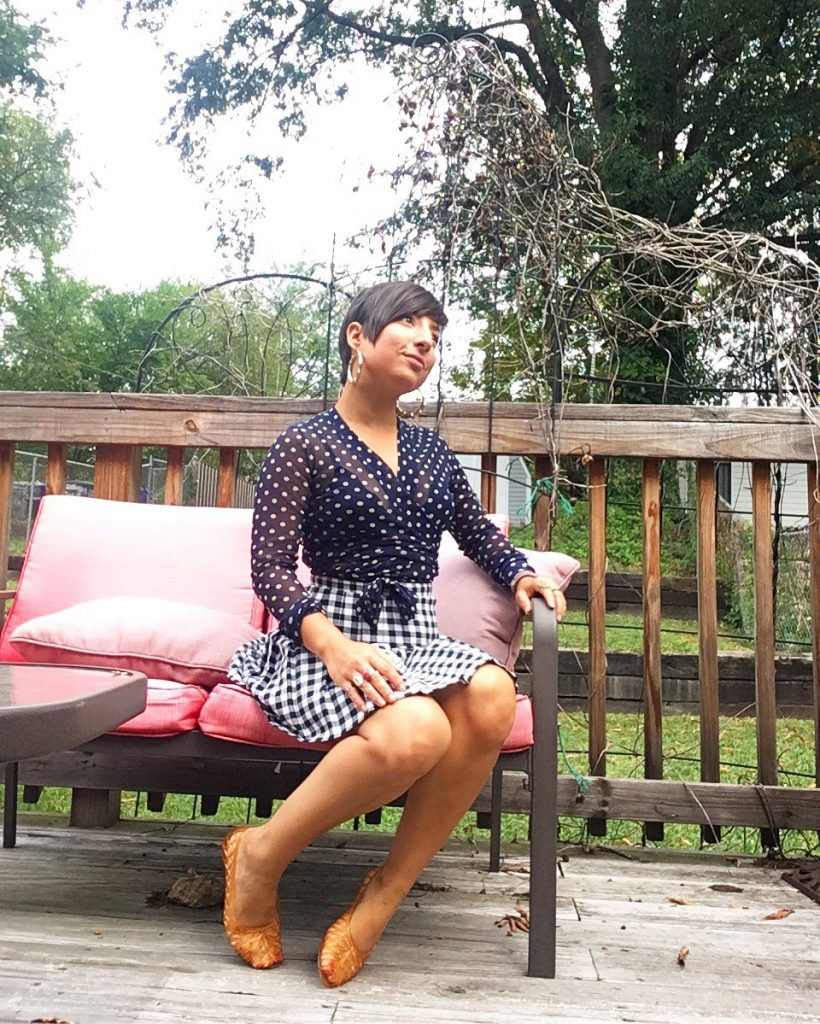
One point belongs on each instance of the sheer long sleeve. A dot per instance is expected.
(282, 496)
(478, 538)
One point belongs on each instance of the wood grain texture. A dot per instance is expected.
(764, 624)
(518, 428)
(79, 943)
(708, 623)
(653, 726)
(814, 557)
(597, 617)
(117, 472)
(56, 469)
(6, 488)
(489, 481)
(226, 478)
(174, 475)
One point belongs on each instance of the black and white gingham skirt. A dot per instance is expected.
(292, 684)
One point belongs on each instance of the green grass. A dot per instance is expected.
(624, 633)
(624, 540)
(624, 760)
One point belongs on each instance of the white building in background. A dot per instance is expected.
(736, 490)
(513, 485)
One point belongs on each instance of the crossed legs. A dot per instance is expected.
(439, 750)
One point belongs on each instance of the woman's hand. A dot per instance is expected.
(363, 672)
(529, 587)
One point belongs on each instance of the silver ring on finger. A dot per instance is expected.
(358, 680)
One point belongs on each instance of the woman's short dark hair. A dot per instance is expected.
(381, 304)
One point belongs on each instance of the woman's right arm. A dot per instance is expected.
(283, 494)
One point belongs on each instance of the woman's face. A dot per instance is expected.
(404, 353)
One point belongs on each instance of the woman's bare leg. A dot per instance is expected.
(481, 716)
(392, 748)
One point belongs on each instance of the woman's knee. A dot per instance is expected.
(488, 708)
(410, 736)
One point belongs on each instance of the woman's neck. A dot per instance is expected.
(361, 408)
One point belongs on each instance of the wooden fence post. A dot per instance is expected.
(597, 628)
(707, 633)
(653, 683)
(766, 711)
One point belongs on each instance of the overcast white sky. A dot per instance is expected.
(146, 220)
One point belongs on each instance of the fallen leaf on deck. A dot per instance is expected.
(778, 915)
(49, 1020)
(679, 901)
(683, 953)
(721, 887)
(193, 889)
(429, 887)
(516, 922)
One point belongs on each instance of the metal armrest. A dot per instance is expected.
(544, 792)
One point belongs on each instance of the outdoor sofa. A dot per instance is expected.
(165, 590)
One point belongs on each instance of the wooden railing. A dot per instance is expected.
(119, 426)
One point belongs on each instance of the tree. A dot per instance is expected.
(688, 111)
(35, 180)
(686, 108)
(69, 335)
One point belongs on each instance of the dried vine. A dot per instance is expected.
(580, 280)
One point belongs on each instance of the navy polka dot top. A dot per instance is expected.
(324, 489)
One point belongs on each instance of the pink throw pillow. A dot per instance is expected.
(172, 640)
(472, 608)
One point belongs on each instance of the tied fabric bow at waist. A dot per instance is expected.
(369, 605)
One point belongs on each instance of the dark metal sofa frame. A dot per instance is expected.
(195, 763)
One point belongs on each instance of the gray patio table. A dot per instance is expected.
(46, 708)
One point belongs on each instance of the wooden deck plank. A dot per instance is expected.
(78, 941)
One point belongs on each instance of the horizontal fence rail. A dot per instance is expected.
(120, 426)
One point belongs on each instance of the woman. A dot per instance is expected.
(357, 657)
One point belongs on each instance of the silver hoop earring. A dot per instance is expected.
(354, 366)
(411, 414)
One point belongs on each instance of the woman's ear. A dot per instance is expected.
(355, 334)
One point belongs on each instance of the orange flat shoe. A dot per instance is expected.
(339, 958)
(260, 947)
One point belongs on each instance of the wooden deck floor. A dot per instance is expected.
(78, 942)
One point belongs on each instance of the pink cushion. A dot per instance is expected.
(171, 708)
(82, 549)
(162, 639)
(232, 713)
(520, 737)
(471, 607)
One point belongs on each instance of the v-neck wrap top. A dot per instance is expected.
(323, 489)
